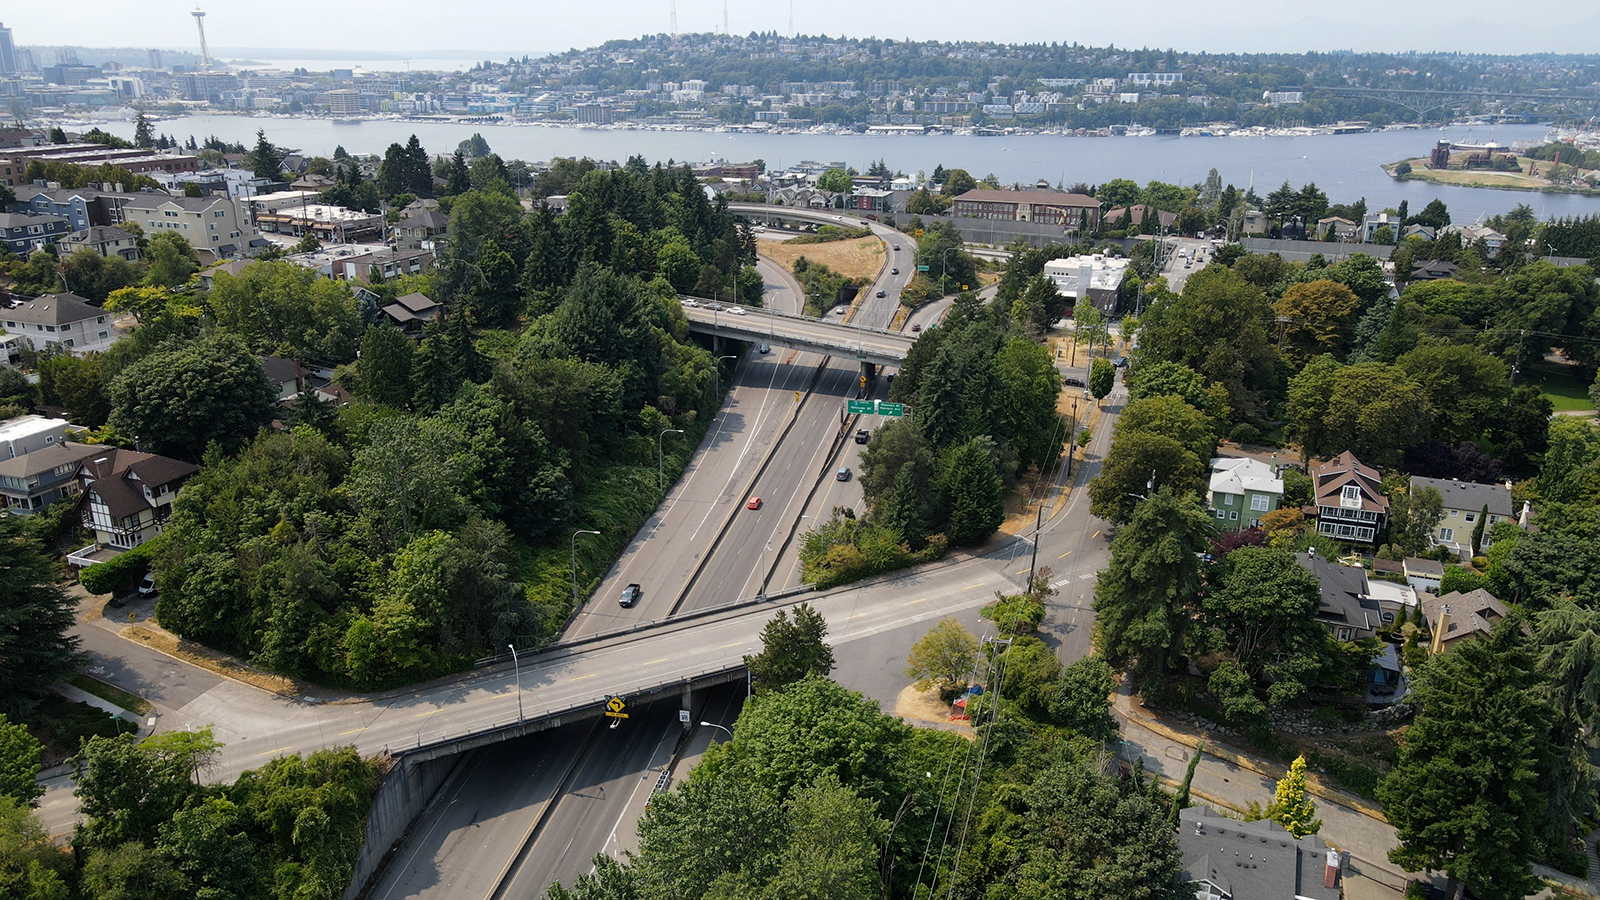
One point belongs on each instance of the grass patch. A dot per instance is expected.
(1566, 391)
(852, 258)
(62, 725)
(109, 693)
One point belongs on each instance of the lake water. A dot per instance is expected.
(1343, 166)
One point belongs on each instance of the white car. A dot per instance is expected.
(734, 310)
(687, 301)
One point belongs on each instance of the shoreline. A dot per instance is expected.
(1427, 176)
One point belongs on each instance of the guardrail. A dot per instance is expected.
(431, 745)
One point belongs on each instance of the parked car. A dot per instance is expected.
(843, 474)
(1075, 382)
(630, 595)
(755, 503)
(147, 585)
(863, 435)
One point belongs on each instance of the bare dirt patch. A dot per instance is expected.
(925, 706)
(206, 658)
(854, 258)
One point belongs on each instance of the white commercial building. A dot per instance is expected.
(1099, 274)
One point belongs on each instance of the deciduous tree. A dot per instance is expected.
(177, 401)
(1144, 598)
(945, 657)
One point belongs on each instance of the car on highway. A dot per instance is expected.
(843, 474)
(735, 310)
(894, 271)
(1120, 362)
(147, 585)
(689, 301)
(764, 349)
(838, 310)
(630, 595)
(882, 294)
(714, 306)
(916, 327)
(1075, 382)
(863, 435)
(897, 248)
(755, 503)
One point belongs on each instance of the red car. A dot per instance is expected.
(755, 503)
(916, 327)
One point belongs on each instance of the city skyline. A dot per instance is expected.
(1475, 26)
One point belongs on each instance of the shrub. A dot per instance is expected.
(120, 574)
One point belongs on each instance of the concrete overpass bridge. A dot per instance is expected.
(869, 346)
(845, 217)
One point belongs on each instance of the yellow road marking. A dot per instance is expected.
(734, 644)
(1019, 571)
(270, 752)
(971, 586)
(856, 616)
(421, 714)
(654, 661)
(919, 600)
(582, 677)
(352, 731)
(1096, 533)
(1065, 555)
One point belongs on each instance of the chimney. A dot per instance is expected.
(1199, 827)
(1439, 630)
(1330, 872)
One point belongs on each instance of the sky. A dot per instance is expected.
(503, 27)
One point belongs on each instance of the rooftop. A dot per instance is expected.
(1037, 197)
(1235, 475)
(52, 309)
(1254, 860)
(26, 426)
(1469, 495)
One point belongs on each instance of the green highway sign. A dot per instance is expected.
(922, 268)
(864, 407)
(886, 408)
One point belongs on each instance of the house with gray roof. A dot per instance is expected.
(22, 234)
(1242, 490)
(35, 480)
(1347, 608)
(106, 240)
(412, 313)
(66, 321)
(127, 499)
(1229, 860)
(1458, 615)
(216, 227)
(1464, 502)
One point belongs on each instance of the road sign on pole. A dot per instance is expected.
(615, 708)
(922, 268)
(863, 407)
(885, 408)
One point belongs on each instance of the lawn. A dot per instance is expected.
(856, 258)
(1566, 391)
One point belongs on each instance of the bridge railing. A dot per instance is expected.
(795, 317)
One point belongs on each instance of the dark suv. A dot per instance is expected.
(863, 436)
(630, 595)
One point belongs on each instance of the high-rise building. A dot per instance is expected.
(8, 53)
(155, 59)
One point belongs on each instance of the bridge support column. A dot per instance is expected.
(869, 371)
(687, 702)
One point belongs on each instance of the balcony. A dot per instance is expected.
(92, 554)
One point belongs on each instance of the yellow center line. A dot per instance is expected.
(734, 644)
(582, 677)
(654, 661)
(1020, 571)
(270, 752)
(352, 731)
(1065, 555)
(971, 586)
(919, 600)
(856, 616)
(421, 714)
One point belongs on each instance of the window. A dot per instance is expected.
(1260, 502)
(1447, 534)
(1227, 499)
(1454, 513)
(104, 335)
(1221, 514)
(1233, 516)
(1493, 519)
(1472, 517)
(218, 213)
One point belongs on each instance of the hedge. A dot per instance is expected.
(120, 574)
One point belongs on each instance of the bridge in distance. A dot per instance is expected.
(870, 346)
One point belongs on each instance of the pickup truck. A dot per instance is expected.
(630, 595)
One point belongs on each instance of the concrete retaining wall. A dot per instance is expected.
(401, 796)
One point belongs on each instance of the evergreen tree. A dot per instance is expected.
(973, 493)
(35, 615)
(142, 135)
(1291, 803)
(791, 649)
(1144, 598)
(902, 508)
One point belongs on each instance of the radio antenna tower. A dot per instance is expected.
(200, 22)
(791, 18)
(725, 17)
(674, 18)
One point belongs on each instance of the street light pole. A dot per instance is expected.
(715, 725)
(575, 563)
(660, 455)
(518, 668)
(719, 374)
(944, 259)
